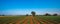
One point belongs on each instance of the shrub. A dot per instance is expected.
(55, 14)
(47, 14)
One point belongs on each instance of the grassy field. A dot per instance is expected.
(10, 19)
(55, 19)
(40, 19)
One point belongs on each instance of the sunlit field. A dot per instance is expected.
(10, 19)
(48, 19)
(29, 19)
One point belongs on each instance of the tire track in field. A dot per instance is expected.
(48, 21)
(31, 20)
(41, 21)
(19, 22)
(51, 21)
(11, 22)
(25, 21)
(36, 21)
(45, 22)
(15, 22)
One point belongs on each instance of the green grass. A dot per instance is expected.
(53, 18)
(9, 19)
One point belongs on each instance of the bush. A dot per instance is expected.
(47, 14)
(55, 14)
(26, 14)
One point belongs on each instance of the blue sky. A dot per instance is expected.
(22, 7)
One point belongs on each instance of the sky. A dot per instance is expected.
(22, 7)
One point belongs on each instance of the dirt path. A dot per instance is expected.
(26, 20)
(18, 22)
(31, 20)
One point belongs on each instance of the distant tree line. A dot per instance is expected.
(47, 14)
(2, 15)
(34, 13)
(27, 15)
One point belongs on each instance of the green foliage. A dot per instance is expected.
(10, 19)
(53, 18)
(55, 14)
(33, 13)
(47, 14)
(26, 14)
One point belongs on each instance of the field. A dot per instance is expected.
(48, 19)
(29, 20)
